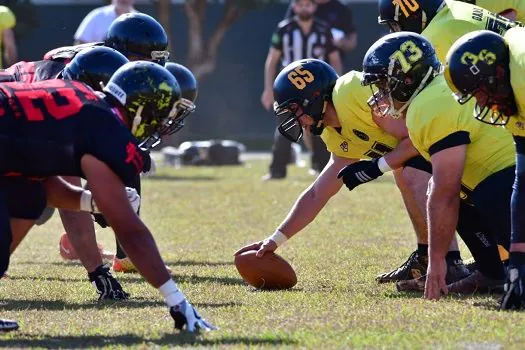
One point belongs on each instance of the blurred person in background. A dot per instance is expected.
(96, 23)
(7, 37)
(301, 36)
(339, 18)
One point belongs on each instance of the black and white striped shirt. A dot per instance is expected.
(295, 45)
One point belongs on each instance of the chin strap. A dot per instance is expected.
(137, 120)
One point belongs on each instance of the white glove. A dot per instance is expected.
(152, 169)
(87, 203)
(188, 319)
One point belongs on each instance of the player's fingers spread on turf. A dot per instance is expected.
(253, 246)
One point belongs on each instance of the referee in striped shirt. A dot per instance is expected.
(301, 36)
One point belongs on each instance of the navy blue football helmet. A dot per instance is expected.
(400, 65)
(306, 84)
(478, 65)
(408, 15)
(94, 66)
(138, 36)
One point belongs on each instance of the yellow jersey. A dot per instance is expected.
(359, 137)
(435, 121)
(498, 6)
(514, 39)
(7, 21)
(459, 18)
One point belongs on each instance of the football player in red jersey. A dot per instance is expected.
(50, 130)
(92, 66)
(138, 37)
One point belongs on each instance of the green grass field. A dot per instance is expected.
(199, 217)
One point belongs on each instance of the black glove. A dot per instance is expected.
(514, 288)
(188, 319)
(107, 286)
(359, 173)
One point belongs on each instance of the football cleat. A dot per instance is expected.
(8, 325)
(67, 252)
(476, 283)
(456, 271)
(125, 265)
(413, 268)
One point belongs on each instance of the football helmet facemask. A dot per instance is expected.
(477, 65)
(399, 65)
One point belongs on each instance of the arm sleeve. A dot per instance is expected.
(86, 28)
(277, 40)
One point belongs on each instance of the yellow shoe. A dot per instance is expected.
(123, 265)
(126, 266)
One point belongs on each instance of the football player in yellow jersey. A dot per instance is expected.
(309, 94)
(511, 9)
(491, 68)
(470, 161)
(7, 37)
(441, 22)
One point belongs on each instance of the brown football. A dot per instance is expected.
(270, 272)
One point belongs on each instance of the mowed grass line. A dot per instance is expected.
(199, 217)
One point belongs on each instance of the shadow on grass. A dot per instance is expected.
(181, 178)
(135, 278)
(23, 304)
(198, 263)
(81, 342)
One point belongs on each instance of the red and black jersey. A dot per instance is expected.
(65, 54)
(30, 72)
(46, 128)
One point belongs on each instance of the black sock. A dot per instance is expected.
(517, 258)
(120, 252)
(422, 249)
(453, 255)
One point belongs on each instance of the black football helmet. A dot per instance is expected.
(94, 66)
(478, 64)
(186, 105)
(138, 36)
(400, 65)
(307, 84)
(148, 93)
(408, 15)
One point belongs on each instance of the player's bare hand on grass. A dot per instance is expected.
(188, 319)
(435, 284)
(261, 247)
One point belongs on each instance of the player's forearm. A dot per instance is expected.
(63, 195)
(306, 208)
(270, 69)
(442, 211)
(349, 42)
(404, 151)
